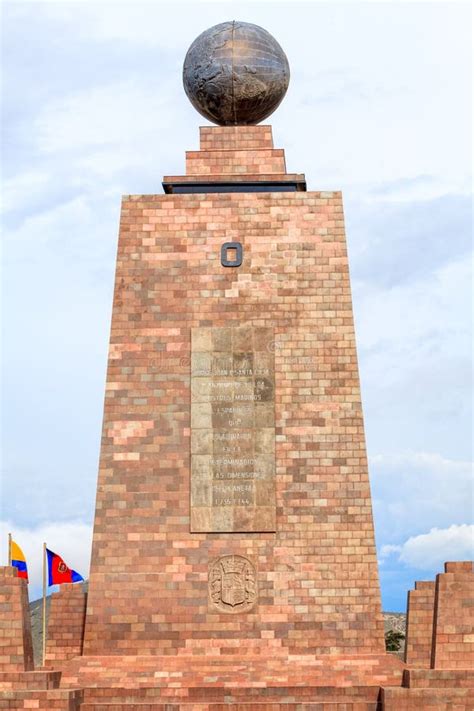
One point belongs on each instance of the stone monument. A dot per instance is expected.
(233, 508)
(233, 556)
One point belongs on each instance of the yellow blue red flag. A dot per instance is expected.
(18, 560)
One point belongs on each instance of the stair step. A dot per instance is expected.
(29, 680)
(438, 678)
(230, 672)
(401, 699)
(241, 706)
(230, 694)
(42, 699)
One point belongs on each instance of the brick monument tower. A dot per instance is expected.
(233, 510)
(233, 556)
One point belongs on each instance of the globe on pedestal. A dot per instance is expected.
(235, 73)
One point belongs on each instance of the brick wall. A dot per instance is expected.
(419, 633)
(453, 627)
(317, 575)
(16, 647)
(232, 162)
(65, 633)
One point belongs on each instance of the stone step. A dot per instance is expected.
(438, 678)
(400, 699)
(241, 706)
(230, 672)
(44, 699)
(29, 680)
(232, 695)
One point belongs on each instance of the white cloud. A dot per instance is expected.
(388, 550)
(105, 115)
(47, 227)
(406, 315)
(98, 138)
(72, 541)
(415, 491)
(418, 188)
(35, 184)
(429, 551)
(414, 342)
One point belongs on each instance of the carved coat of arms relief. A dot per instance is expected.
(232, 584)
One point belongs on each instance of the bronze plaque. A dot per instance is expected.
(232, 430)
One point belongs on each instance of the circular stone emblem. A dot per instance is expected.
(232, 584)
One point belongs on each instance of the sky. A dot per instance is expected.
(379, 106)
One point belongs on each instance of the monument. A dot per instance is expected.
(233, 507)
(233, 556)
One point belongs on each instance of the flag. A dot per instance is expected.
(18, 560)
(59, 572)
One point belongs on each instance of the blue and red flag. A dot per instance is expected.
(59, 572)
(18, 560)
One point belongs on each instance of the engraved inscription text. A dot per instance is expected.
(232, 430)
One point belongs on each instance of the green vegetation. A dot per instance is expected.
(393, 640)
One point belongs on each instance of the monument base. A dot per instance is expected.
(339, 683)
(428, 689)
(214, 683)
(267, 681)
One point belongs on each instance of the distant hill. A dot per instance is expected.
(396, 621)
(36, 610)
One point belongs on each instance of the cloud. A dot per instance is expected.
(429, 551)
(57, 300)
(421, 557)
(414, 345)
(388, 550)
(35, 184)
(397, 242)
(419, 188)
(71, 540)
(416, 307)
(415, 491)
(66, 231)
(104, 116)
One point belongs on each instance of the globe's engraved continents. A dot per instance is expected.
(232, 584)
(235, 73)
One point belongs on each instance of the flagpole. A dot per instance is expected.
(9, 549)
(44, 603)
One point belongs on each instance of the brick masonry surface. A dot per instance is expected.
(453, 625)
(317, 575)
(66, 621)
(419, 633)
(16, 646)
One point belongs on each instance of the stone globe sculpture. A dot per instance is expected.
(235, 73)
